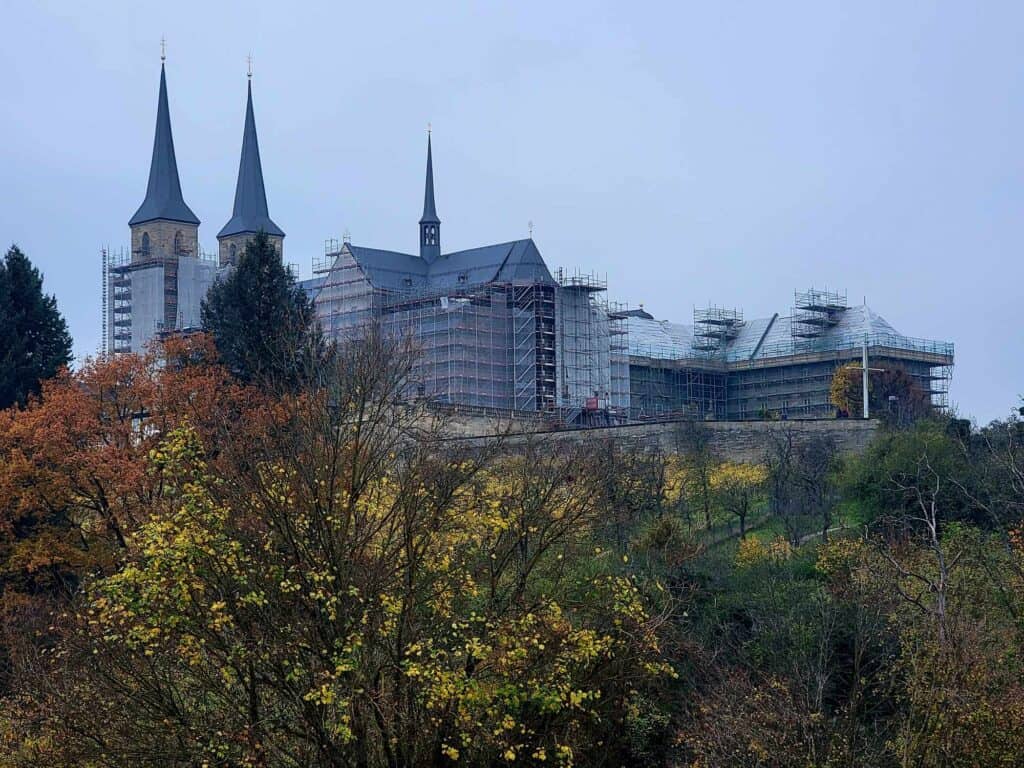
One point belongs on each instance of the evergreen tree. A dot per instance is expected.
(34, 339)
(263, 324)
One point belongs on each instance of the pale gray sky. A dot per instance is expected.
(715, 152)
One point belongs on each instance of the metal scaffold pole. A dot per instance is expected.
(864, 374)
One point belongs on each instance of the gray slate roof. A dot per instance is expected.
(518, 262)
(163, 194)
(250, 214)
(311, 286)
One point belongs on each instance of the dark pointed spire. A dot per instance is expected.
(163, 195)
(429, 211)
(430, 224)
(250, 214)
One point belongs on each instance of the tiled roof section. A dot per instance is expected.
(517, 262)
(163, 193)
(250, 214)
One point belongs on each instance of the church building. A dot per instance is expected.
(496, 330)
(157, 286)
(493, 327)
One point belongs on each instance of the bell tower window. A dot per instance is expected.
(145, 245)
(179, 244)
(429, 234)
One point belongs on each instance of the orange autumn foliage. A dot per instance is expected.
(73, 478)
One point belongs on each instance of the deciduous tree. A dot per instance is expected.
(736, 487)
(354, 591)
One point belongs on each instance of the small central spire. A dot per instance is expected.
(430, 224)
(429, 209)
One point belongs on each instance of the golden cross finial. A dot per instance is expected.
(428, 129)
(248, 60)
(163, 49)
(529, 226)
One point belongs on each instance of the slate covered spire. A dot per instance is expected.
(250, 214)
(163, 195)
(430, 224)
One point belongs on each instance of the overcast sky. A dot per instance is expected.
(692, 153)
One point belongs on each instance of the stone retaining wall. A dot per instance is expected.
(734, 440)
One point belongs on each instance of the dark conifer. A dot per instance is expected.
(263, 324)
(34, 339)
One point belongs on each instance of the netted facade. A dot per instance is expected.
(492, 328)
(723, 366)
(496, 330)
(156, 287)
(148, 295)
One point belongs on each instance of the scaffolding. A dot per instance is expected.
(800, 386)
(814, 312)
(553, 347)
(118, 274)
(618, 345)
(560, 348)
(691, 390)
(104, 301)
(782, 367)
(584, 348)
(670, 376)
(715, 327)
(485, 345)
(162, 304)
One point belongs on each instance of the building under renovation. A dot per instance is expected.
(723, 366)
(495, 328)
(156, 286)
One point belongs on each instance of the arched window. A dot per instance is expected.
(232, 251)
(145, 243)
(179, 243)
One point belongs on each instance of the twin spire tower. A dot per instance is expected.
(164, 227)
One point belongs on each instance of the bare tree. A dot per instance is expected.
(799, 482)
(923, 584)
(693, 443)
(779, 462)
(813, 468)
